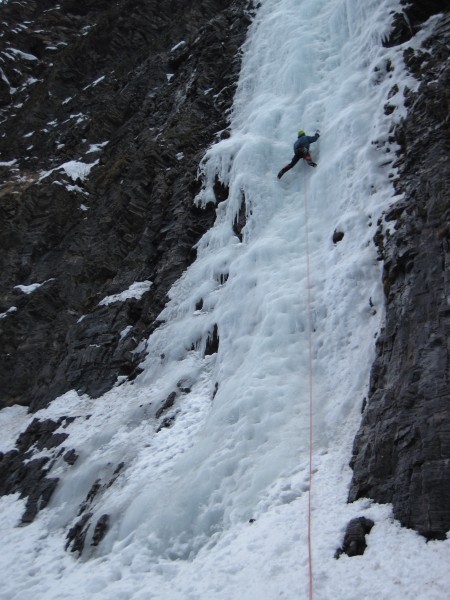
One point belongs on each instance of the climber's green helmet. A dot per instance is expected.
(301, 132)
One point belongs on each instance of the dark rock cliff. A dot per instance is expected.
(106, 110)
(402, 450)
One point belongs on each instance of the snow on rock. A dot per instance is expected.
(20, 54)
(96, 147)
(178, 46)
(136, 290)
(28, 289)
(10, 310)
(94, 83)
(73, 169)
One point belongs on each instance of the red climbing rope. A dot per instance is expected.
(310, 372)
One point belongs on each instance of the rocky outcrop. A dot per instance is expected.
(107, 109)
(84, 529)
(402, 451)
(23, 473)
(354, 543)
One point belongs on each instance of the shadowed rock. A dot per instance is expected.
(355, 537)
(401, 453)
(19, 472)
(135, 92)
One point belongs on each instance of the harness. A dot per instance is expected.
(300, 150)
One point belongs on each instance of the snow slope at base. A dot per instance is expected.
(266, 559)
(239, 450)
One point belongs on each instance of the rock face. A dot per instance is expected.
(20, 472)
(106, 109)
(402, 451)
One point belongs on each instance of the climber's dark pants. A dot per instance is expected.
(295, 159)
(301, 153)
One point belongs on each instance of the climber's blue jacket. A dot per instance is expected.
(303, 141)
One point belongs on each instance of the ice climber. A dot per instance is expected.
(301, 150)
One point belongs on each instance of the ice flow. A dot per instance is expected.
(235, 442)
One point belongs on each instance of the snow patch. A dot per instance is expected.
(10, 310)
(73, 169)
(136, 290)
(24, 55)
(28, 289)
(94, 83)
(96, 147)
(177, 46)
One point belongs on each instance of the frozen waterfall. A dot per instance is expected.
(214, 506)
